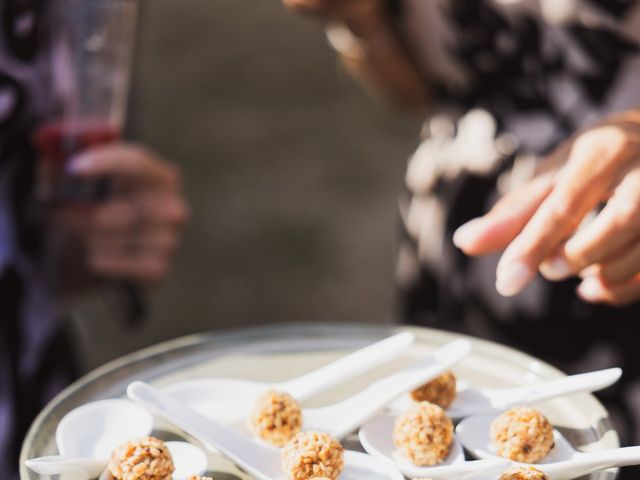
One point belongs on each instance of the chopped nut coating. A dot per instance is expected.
(522, 434)
(424, 434)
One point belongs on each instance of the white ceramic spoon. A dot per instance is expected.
(376, 436)
(94, 429)
(563, 462)
(187, 459)
(473, 401)
(258, 459)
(230, 399)
(344, 417)
(473, 434)
(87, 435)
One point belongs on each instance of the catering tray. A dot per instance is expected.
(277, 353)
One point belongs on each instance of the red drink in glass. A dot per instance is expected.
(92, 43)
(57, 143)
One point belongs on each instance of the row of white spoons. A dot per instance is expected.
(229, 400)
(263, 461)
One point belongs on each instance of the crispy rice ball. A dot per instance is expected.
(522, 434)
(523, 473)
(441, 391)
(424, 434)
(313, 455)
(143, 459)
(276, 418)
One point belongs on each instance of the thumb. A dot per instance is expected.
(495, 230)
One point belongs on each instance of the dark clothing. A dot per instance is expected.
(35, 355)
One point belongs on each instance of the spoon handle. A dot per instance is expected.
(305, 386)
(489, 468)
(58, 465)
(584, 382)
(585, 463)
(230, 443)
(357, 409)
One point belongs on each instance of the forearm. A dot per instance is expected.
(363, 34)
(375, 56)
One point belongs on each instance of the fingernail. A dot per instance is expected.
(467, 233)
(512, 278)
(590, 289)
(556, 268)
(79, 164)
(590, 271)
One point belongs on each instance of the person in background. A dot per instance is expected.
(533, 115)
(129, 237)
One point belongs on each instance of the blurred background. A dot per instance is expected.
(291, 171)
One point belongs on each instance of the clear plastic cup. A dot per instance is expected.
(91, 52)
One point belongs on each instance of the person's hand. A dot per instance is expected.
(132, 235)
(538, 224)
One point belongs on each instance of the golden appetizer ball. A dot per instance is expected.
(441, 391)
(522, 434)
(524, 473)
(143, 459)
(313, 455)
(424, 434)
(276, 418)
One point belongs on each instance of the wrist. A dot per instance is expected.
(366, 20)
(365, 28)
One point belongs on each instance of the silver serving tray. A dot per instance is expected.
(280, 352)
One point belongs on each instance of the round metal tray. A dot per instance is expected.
(281, 352)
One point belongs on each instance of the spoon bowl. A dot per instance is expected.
(359, 466)
(376, 437)
(187, 459)
(473, 433)
(94, 430)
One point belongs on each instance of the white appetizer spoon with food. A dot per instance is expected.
(256, 458)
(87, 436)
(473, 401)
(230, 399)
(376, 436)
(474, 433)
(562, 463)
(187, 460)
(346, 416)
